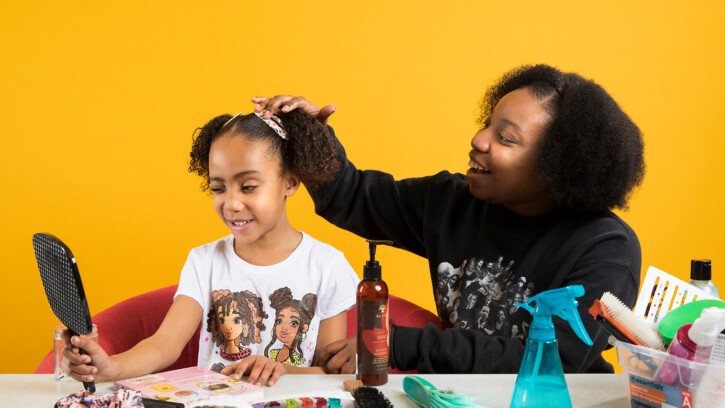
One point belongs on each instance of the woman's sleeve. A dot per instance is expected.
(373, 205)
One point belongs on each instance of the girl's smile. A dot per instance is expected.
(238, 224)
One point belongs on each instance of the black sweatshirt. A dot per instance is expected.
(483, 259)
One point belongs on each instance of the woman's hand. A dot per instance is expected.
(286, 103)
(338, 357)
(259, 369)
(95, 365)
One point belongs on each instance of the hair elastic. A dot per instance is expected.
(274, 123)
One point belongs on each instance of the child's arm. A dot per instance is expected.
(331, 330)
(149, 355)
(262, 369)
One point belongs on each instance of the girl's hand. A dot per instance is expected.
(286, 103)
(95, 365)
(259, 369)
(338, 357)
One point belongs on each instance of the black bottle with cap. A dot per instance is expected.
(373, 326)
(701, 275)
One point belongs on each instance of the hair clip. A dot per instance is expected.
(274, 123)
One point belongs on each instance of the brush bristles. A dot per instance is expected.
(369, 397)
(624, 315)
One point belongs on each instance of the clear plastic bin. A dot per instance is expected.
(657, 379)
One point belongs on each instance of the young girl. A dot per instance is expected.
(251, 164)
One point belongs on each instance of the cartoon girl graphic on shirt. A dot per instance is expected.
(292, 320)
(231, 324)
(255, 305)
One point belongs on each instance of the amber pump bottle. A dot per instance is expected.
(373, 326)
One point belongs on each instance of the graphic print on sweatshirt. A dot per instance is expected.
(291, 323)
(482, 295)
(235, 322)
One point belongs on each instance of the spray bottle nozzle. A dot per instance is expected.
(560, 302)
(372, 267)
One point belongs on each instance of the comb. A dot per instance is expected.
(661, 293)
(63, 287)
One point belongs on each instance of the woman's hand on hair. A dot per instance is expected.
(286, 103)
(260, 369)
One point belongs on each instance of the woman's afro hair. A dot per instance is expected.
(592, 155)
(309, 152)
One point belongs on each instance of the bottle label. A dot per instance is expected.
(374, 331)
(718, 350)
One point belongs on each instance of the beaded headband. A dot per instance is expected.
(274, 122)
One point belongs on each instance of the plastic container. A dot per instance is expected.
(701, 275)
(641, 366)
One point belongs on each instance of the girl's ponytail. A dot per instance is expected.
(309, 152)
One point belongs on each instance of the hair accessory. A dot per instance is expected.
(274, 123)
(623, 319)
(228, 124)
(367, 397)
(120, 399)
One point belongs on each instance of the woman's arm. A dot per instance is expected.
(149, 355)
(369, 203)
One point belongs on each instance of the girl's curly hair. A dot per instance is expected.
(592, 155)
(309, 152)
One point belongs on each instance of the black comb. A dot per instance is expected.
(63, 287)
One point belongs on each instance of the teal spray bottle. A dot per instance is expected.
(540, 382)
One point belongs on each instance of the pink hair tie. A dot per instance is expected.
(274, 123)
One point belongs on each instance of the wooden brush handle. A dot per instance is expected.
(351, 386)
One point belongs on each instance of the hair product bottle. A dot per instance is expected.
(541, 383)
(701, 273)
(373, 326)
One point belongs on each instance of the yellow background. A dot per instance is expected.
(99, 100)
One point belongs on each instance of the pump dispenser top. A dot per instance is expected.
(371, 270)
(541, 382)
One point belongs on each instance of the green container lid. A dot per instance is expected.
(684, 314)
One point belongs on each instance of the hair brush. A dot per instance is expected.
(623, 324)
(63, 287)
(367, 397)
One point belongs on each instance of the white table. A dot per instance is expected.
(587, 390)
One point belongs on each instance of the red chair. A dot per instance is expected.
(123, 325)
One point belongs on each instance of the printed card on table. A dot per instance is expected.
(190, 384)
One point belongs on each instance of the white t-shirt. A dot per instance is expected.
(242, 302)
